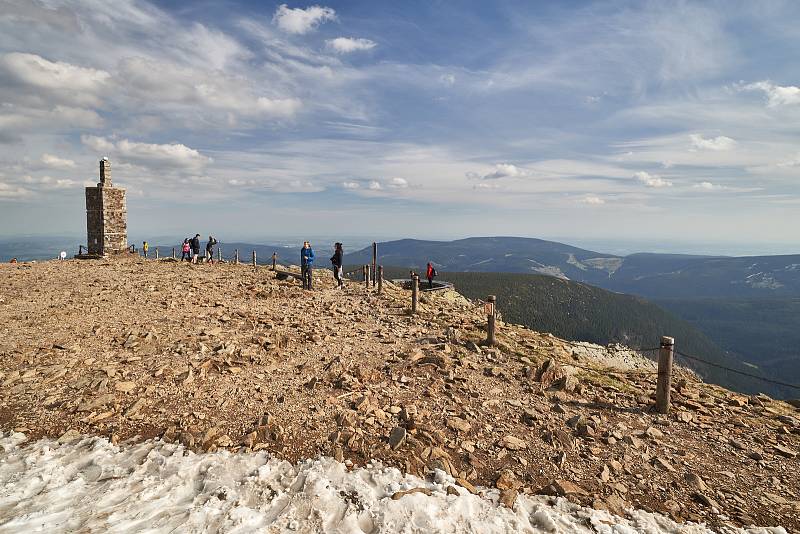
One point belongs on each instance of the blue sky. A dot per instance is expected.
(670, 121)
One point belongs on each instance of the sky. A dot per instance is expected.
(662, 122)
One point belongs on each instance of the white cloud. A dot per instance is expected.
(398, 183)
(374, 185)
(278, 107)
(9, 191)
(56, 162)
(776, 95)
(448, 79)
(652, 180)
(504, 170)
(60, 79)
(300, 21)
(707, 186)
(351, 185)
(345, 45)
(592, 200)
(170, 156)
(486, 186)
(715, 143)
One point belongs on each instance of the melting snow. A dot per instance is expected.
(94, 486)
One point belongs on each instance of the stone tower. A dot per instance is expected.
(106, 215)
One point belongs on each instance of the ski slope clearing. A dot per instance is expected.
(91, 485)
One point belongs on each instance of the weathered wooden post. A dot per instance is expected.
(367, 277)
(491, 316)
(380, 279)
(219, 254)
(665, 356)
(414, 293)
(173, 253)
(254, 258)
(274, 260)
(374, 263)
(236, 256)
(156, 252)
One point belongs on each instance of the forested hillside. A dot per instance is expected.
(582, 312)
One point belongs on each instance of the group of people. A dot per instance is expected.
(190, 249)
(337, 261)
(307, 257)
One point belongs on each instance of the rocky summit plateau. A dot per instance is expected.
(228, 357)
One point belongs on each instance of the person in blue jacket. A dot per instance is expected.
(306, 264)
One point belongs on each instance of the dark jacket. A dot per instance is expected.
(306, 256)
(336, 259)
(196, 245)
(210, 244)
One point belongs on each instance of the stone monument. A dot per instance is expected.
(106, 215)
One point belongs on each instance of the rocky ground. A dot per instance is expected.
(227, 356)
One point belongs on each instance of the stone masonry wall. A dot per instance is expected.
(106, 216)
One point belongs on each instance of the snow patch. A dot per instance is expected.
(90, 485)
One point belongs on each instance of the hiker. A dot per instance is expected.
(195, 248)
(429, 274)
(210, 249)
(306, 264)
(13, 260)
(185, 248)
(145, 248)
(336, 260)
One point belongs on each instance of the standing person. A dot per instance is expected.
(336, 260)
(306, 264)
(210, 249)
(429, 274)
(145, 248)
(185, 250)
(195, 248)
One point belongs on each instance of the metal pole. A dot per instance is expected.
(665, 356)
(491, 316)
(367, 278)
(254, 258)
(219, 254)
(173, 253)
(414, 293)
(156, 252)
(380, 279)
(236, 256)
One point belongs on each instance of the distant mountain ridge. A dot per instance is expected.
(645, 274)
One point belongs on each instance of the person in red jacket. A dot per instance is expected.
(429, 274)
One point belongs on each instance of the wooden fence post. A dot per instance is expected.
(665, 356)
(219, 254)
(156, 252)
(236, 256)
(367, 278)
(173, 253)
(414, 293)
(491, 316)
(374, 263)
(274, 260)
(380, 279)
(254, 258)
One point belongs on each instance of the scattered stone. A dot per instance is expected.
(397, 438)
(125, 387)
(458, 424)
(695, 482)
(785, 451)
(400, 494)
(562, 488)
(513, 443)
(508, 497)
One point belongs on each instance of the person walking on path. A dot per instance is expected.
(336, 260)
(145, 248)
(186, 250)
(210, 249)
(306, 264)
(195, 248)
(430, 274)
